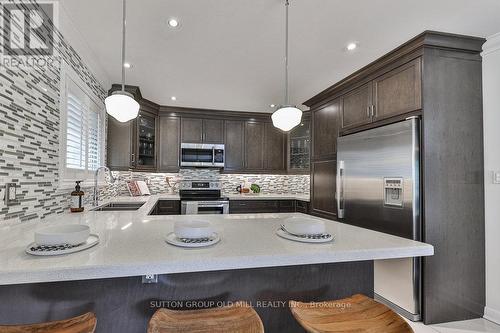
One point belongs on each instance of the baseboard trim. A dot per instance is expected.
(492, 315)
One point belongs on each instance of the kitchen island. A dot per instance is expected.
(250, 262)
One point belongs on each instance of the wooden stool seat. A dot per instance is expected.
(354, 314)
(81, 324)
(237, 318)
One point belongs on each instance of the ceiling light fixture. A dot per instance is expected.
(173, 98)
(173, 23)
(351, 46)
(287, 116)
(121, 105)
(127, 65)
(272, 105)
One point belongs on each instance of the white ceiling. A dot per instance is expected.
(228, 54)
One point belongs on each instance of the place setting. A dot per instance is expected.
(62, 239)
(193, 234)
(304, 230)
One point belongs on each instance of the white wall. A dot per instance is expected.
(491, 100)
(74, 36)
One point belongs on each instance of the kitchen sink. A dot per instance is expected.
(119, 206)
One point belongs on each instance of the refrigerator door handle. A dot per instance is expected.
(340, 189)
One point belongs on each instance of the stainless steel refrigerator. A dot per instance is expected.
(378, 187)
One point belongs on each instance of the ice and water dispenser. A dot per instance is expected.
(393, 192)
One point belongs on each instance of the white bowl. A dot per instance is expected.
(304, 226)
(72, 234)
(193, 229)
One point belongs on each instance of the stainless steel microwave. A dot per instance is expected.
(202, 155)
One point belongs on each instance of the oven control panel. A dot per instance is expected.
(200, 185)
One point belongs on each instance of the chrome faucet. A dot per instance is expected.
(96, 189)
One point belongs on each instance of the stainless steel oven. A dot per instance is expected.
(202, 197)
(202, 155)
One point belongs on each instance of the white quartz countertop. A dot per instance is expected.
(133, 244)
(268, 196)
(233, 196)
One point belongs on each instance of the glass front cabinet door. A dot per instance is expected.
(300, 148)
(147, 142)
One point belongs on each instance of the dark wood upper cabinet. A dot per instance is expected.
(169, 143)
(274, 148)
(192, 130)
(325, 125)
(196, 130)
(213, 131)
(356, 106)
(398, 91)
(323, 186)
(119, 143)
(234, 145)
(254, 146)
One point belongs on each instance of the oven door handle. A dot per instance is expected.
(211, 206)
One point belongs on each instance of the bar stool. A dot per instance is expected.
(236, 318)
(81, 324)
(354, 314)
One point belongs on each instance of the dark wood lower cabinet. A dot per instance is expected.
(287, 206)
(167, 207)
(302, 206)
(323, 185)
(263, 206)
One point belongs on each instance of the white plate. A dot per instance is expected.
(285, 235)
(91, 241)
(172, 239)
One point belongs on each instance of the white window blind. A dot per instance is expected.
(76, 145)
(83, 133)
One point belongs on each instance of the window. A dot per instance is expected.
(82, 134)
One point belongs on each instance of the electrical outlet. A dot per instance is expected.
(12, 192)
(9, 193)
(2, 197)
(150, 278)
(496, 177)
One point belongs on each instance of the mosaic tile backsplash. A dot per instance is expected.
(293, 184)
(29, 131)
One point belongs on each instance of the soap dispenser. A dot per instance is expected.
(77, 199)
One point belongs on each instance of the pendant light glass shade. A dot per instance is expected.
(122, 106)
(286, 117)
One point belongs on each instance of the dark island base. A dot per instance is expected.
(125, 304)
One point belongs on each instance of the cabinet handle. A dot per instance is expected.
(339, 193)
(368, 112)
(373, 111)
(133, 158)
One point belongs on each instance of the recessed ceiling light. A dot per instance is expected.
(127, 65)
(173, 23)
(272, 105)
(352, 46)
(173, 98)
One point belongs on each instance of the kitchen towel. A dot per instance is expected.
(191, 208)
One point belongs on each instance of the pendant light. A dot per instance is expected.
(287, 116)
(121, 105)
